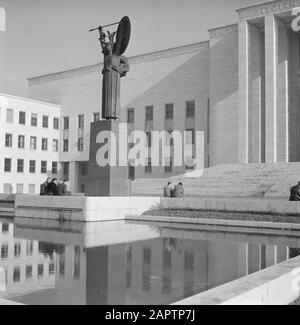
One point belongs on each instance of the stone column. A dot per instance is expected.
(73, 176)
(271, 35)
(294, 102)
(283, 93)
(256, 95)
(244, 92)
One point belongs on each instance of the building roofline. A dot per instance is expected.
(257, 5)
(188, 48)
(222, 27)
(29, 100)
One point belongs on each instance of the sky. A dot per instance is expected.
(47, 36)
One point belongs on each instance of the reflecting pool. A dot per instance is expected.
(45, 262)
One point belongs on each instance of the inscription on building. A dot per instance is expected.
(266, 9)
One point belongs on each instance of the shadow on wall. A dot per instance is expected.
(224, 86)
(184, 77)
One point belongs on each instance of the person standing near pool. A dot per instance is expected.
(61, 188)
(44, 186)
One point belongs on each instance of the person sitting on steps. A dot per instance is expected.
(295, 193)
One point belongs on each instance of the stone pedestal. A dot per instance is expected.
(109, 180)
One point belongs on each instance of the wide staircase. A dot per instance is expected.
(238, 180)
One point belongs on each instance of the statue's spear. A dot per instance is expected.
(97, 28)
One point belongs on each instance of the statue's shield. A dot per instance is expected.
(123, 36)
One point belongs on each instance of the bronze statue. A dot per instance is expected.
(115, 66)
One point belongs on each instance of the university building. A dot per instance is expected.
(29, 144)
(240, 88)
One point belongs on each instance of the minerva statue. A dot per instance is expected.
(115, 66)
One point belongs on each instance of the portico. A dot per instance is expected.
(269, 108)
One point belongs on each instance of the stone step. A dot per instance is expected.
(269, 179)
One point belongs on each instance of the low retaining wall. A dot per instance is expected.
(218, 222)
(277, 285)
(83, 209)
(90, 209)
(280, 207)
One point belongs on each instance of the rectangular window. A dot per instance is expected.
(190, 109)
(29, 248)
(44, 167)
(169, 111)
(54, 167)
(169, 165)
(51, 268)
(34, 119)
(66, 170)
(169, 138)
(66, 146)
(33, 141)
(17, 250)
(149, 139)
(32, 166)
(20, 188)
(10, 115)
(4, 251)
(96, 117)
(81, 121)
(149, 113)
(44, 144)
(20, 165)
(45, 121)
(80, 144)
(40, 270)
(21, 141)
(8, 140)
(7, 165)
(56, 123)
(190, 136)
(5, 228)
(55, 145)
(130, 115)
(148, 168)
(66, 122)
(28, 271)
(17, 274)
(22, 118)
(31, 188)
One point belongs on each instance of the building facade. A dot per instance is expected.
(29, 144)
(240, 88)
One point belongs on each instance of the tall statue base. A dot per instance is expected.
(108, 180)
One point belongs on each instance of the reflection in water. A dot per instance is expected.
(151, 271)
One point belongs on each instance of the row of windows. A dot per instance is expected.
(169, 112)
(169, 141)
(29, 271)
(32, 166)
(8, 188)
(33, 142)
(33, 119)
(80, 121)
(168, 167)
(80, 142)
(17, 250)
(40, 271)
